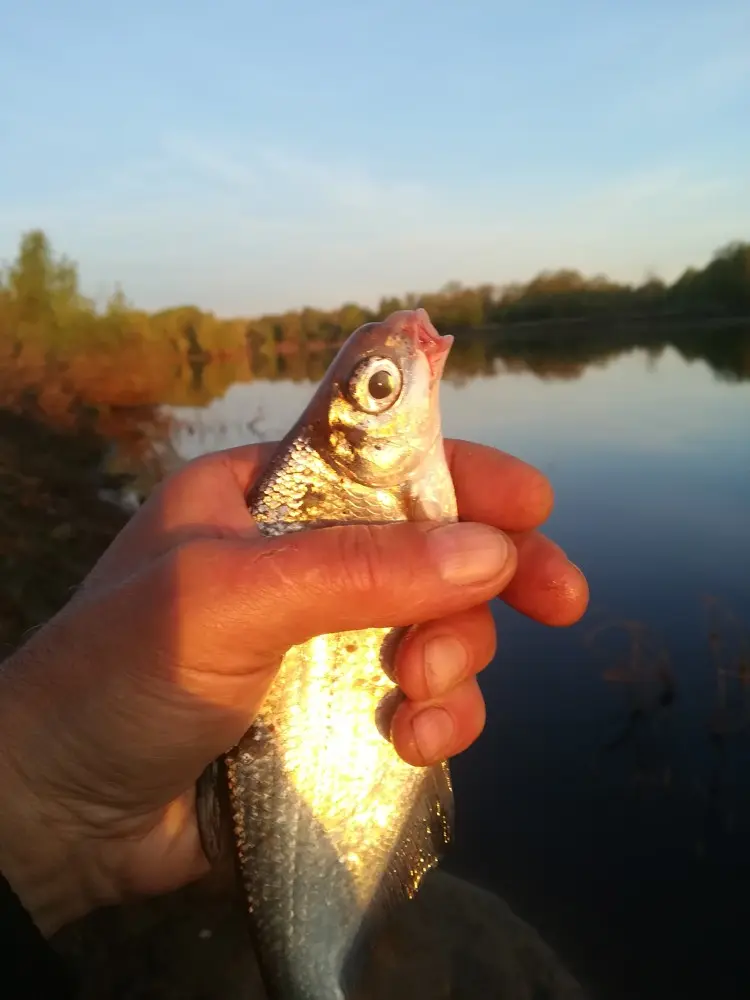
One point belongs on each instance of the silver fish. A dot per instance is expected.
(328, 824)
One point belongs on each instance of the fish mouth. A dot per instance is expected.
(433, 345)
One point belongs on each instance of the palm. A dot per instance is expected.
(181, 687)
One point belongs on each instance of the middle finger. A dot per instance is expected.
(437, 656)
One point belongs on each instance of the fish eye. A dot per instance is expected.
(380, 385)
(375, 385)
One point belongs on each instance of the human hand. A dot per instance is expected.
(110, 712)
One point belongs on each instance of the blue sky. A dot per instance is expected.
(248, 156)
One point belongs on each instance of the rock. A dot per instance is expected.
(62, 532)
(453, 942)
(458, 942)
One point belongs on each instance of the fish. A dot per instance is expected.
(327, 826)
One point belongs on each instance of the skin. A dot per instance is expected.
(110, 711)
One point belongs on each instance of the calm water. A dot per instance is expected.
(609, 798)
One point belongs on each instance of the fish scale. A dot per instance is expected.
(328, 824)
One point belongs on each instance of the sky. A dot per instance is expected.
(250, 157)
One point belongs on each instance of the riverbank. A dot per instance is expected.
(54, 524)
(603, 326)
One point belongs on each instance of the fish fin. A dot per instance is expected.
(208, 811)
(219, 840)
(416, 506)
(429, 494)
(213, 811)
(425, 835)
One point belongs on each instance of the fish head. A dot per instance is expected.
(376, 413)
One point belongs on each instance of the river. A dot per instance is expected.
(608, 800)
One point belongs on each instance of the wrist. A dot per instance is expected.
(42, 862)
(50, 893)
(43, 856)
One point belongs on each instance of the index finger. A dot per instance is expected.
(496, 488)
(205, 498)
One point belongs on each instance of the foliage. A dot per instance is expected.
(47, 323)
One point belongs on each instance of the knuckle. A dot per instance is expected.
(361, 558)
(195, 467)
(177, 483)
(193, 573)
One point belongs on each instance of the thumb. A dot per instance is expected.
(279, 592)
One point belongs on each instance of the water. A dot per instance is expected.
(609, 798)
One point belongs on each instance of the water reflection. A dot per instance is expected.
(609, 798)
(563, 355)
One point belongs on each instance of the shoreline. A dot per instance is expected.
(606, 325)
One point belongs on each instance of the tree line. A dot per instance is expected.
(44, 314)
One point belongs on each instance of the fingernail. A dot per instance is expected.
(445, 662)
(469, 553)
(433, 730)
